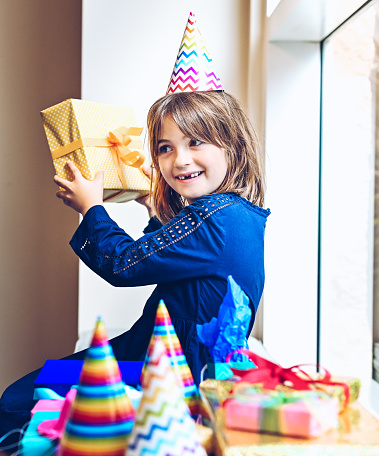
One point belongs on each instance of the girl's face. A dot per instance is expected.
(190, 167)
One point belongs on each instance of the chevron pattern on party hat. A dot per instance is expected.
(164, 329)
(101, 416)
(193, 70)
(163, 425)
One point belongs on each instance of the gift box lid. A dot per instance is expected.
(61, 375)
(47, 405)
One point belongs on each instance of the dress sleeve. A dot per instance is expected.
(188, 246)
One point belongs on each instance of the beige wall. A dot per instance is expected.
(40, 51)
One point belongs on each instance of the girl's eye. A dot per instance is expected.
(195, 142)
(163, 149)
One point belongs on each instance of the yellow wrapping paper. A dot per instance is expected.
(206, 438)
(338, 391)
(78, 123)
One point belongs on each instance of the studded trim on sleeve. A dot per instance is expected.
(188, 221)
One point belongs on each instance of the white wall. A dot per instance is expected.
(129, 50)
(292, 160)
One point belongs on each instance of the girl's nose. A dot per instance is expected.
(183, 157)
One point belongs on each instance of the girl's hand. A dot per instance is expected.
(147, 200)
(80, 194)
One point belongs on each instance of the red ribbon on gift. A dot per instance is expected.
(270, 374)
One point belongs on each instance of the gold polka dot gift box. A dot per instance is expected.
(98, 136)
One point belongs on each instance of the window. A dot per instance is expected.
(349, 282)
(322, 242)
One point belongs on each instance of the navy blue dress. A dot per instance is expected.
(188, 259)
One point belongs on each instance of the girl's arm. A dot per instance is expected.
(191, 245)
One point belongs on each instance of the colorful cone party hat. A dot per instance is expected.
(163, 425)
(101, 416)
(193, 70)
(164, 329)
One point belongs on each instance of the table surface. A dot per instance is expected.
(358, 430)
(358, 433)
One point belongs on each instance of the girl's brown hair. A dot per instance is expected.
(216, 118)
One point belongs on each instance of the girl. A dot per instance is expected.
(209, 172)
(206, 223)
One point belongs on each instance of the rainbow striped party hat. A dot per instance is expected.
(193, 70)
(165, 330)
(101, 415)
(163, 425)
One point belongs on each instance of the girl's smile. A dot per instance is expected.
(190, 167)
(189, 176)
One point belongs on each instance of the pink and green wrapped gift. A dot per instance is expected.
(304, 414)
(270, 375)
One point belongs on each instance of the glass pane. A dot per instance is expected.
(349, 282)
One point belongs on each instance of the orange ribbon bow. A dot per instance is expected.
(119, 140)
